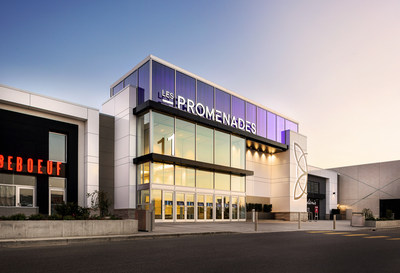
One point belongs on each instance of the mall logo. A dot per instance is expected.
(199, 109)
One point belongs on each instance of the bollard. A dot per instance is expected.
(253, 215)
(256, 221)
(334, 221)
(298, 218)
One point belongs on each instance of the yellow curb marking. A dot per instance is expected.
(393, 239)
(375, 237)
(336, 233)
(357, 234)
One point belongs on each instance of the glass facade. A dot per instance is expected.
(238, 152)
(222, 148)
(143, 83)
(163, 81)
(168, 84)
(162, 133)
(185, 139)
(204, 144)
(185, 87)
(186, 190)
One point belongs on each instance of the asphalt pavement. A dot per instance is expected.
(302, 251)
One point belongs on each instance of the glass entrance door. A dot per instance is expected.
(180, 206)
(168, 206)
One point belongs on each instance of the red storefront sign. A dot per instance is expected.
(29, 165)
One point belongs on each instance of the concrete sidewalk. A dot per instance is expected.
(168, 230)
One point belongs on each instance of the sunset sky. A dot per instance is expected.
(333, 66)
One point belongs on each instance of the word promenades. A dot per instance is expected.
(204, 111)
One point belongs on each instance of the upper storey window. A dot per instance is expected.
(163, 83)
(57, 147)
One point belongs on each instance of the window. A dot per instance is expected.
(17, 190)
(280, 129)
(163, 81)
(163, 134)
(143, 173)
(132, 79)
(204, 144)
(185, 87)
(251, 116)
(184, 176)
(157, 203)
(144, 198)
(204, 180)
(185, 142)
(271, 126)
(143, 124)
(222, 181)
(312, 187)
(57, 147)
(242, 208)
(57, 187)
(238, 152)
(238, 111)
(223, 102)
(222, 148)
(205, 94)
(163, 173)
(261, 122)
(238, 183)
(144, 83)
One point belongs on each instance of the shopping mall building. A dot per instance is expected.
(167, 140)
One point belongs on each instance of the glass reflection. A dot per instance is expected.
(169, 208)
(157, 203)
(180, 206)
(219, 208)
(204, 144)
(222, 148)
(234, 208)
(163, 134)
(185, 142)
(190, 206)
(238, 152)
(222, 181)
(143, 127)
(209, 207)
(200, 207)
(226, 207)
(204, 179)
(184, 176)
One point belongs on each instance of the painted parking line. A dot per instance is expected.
(356, 234)
(393, 239)
(317, 231)
(336, 233)
(375, 237)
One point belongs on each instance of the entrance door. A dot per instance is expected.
(180, 207)
(168, 206)
(56, 197)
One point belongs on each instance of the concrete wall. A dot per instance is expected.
(51, 229)
(8, 211)
(285, 172)
(363, 186)
(120, 107)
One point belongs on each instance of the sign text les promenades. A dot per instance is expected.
(205, 112)
(37, 166)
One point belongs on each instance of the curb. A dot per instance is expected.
(9, 243)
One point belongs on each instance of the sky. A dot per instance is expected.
(333, 66)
